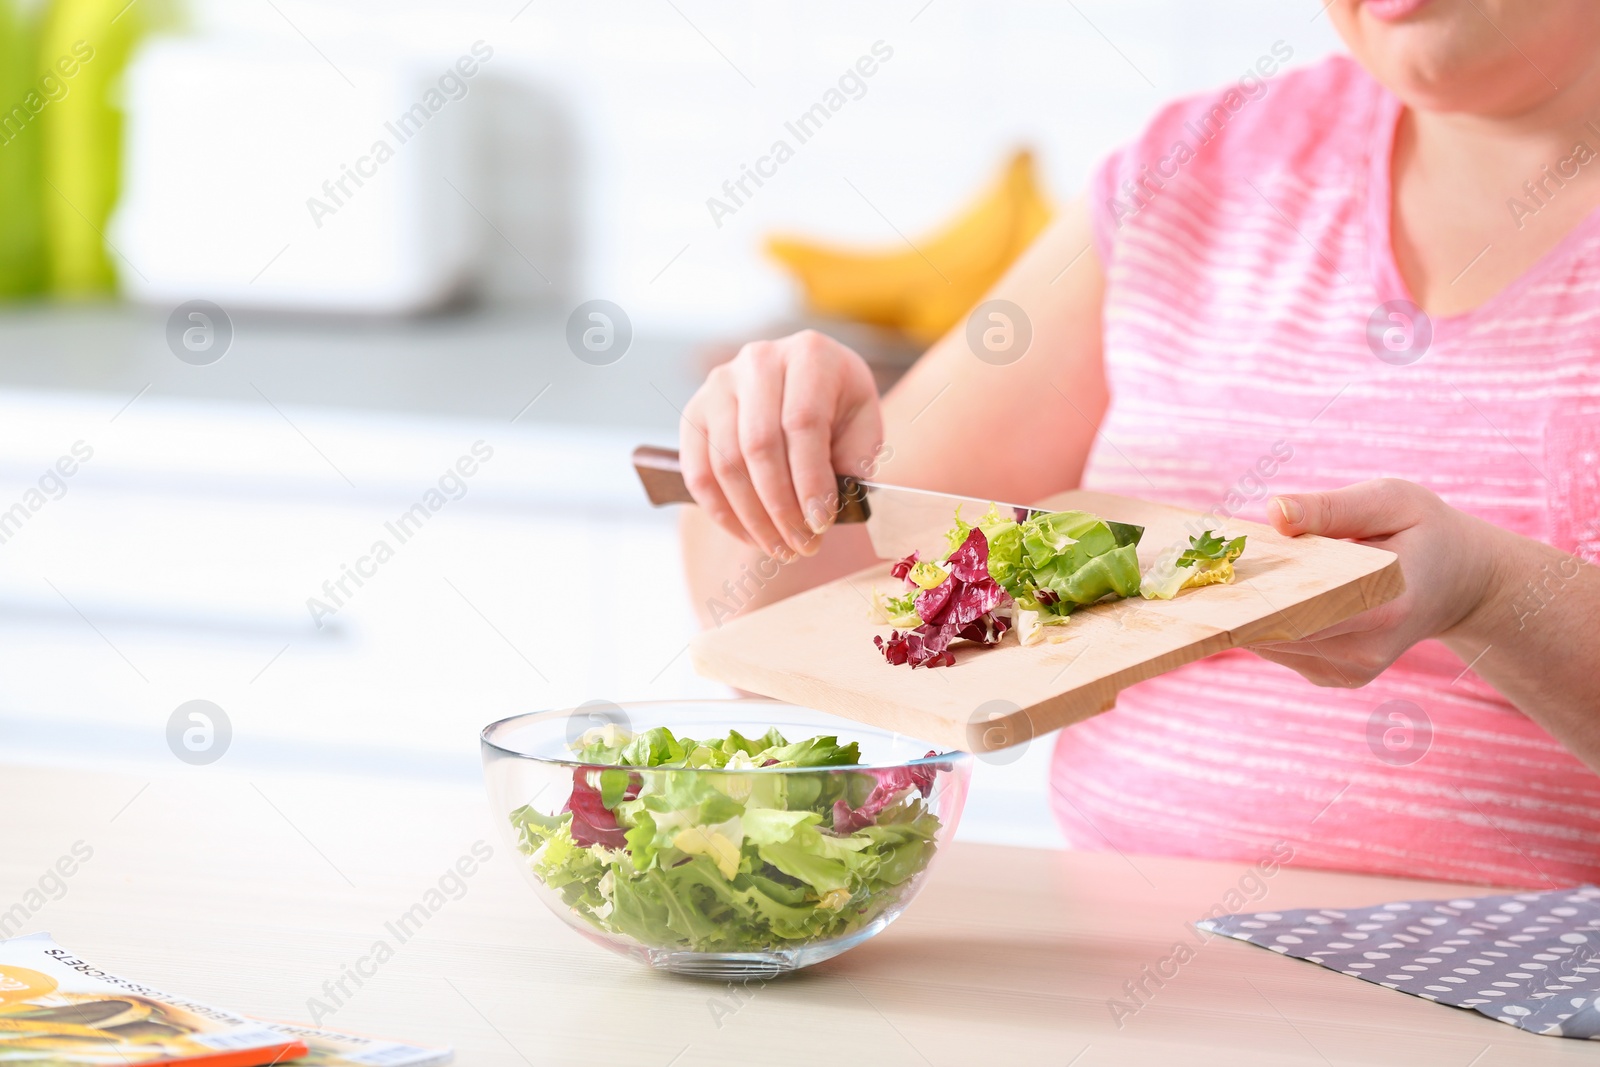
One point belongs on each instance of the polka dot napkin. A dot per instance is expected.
(1528, 959)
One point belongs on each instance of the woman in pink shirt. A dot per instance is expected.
(1360, 299)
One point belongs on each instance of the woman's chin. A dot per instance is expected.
(1444, 55)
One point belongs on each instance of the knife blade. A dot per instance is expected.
(899, 520)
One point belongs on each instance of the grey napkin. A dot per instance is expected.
(1527, 959)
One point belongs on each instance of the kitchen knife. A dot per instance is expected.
(899, 520)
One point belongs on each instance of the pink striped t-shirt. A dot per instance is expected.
(1248, 257)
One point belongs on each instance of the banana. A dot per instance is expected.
(926, 289)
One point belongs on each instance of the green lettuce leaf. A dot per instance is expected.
(1209, 549)
(812, 752)
(898, 611)
(1207, 560)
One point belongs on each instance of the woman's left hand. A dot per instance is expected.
(1447, 556)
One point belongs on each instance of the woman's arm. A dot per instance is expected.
(1523, 615)
(765, 434)
(1535, 637)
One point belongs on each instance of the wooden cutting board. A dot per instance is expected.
(815, 649)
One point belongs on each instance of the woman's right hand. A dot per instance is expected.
(761, 440)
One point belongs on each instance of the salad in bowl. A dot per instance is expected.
(735, 838)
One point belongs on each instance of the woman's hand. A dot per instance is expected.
(761, 439)
(1449, 560)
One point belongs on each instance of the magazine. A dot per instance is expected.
(328, 1049)
(57, 1010)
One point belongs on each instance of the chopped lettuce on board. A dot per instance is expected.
(1042, 568)
(1056, 562)
(1206, 560)
(651, 848)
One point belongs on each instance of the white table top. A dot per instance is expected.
(251, 892)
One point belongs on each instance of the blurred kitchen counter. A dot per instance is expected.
(253, 892)
(473, 363)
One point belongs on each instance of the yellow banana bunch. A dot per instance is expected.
(925, 290)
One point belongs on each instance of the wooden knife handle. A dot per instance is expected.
(662, 477)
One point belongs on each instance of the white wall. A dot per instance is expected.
(623, 116)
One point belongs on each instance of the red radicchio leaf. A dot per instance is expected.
(968, 592)
(931, 603)
(985, 630)
(961, 606)
(847, 820)
(902, 569)
(897, 778)
(917, 647)
(895, 648)
(592, 822)
(974, 601)
(893, 782)
(970, 562)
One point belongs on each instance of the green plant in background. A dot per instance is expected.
(82, 135)
(61, 139)
(22, 241)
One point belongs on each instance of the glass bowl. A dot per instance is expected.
(736, 872)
